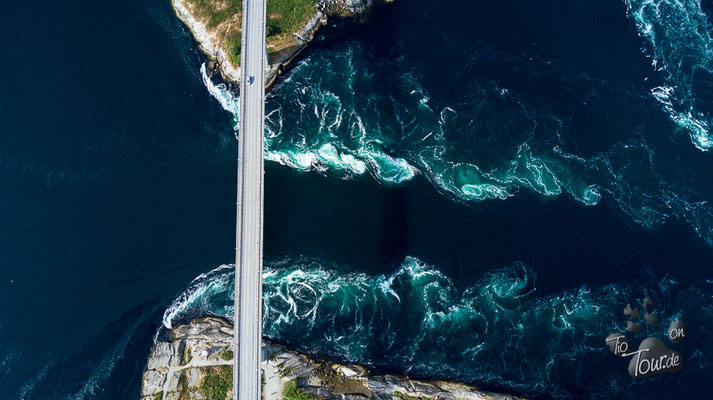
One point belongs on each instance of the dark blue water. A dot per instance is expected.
(472, 191)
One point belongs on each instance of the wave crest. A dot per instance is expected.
(681, 48)
(416, 320)
(332, 114)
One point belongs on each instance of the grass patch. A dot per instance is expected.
(285, 17)
(217, 383)
(286, 371)
(226, 354)
(281, 14)
(232, 47)
(183, 382)
(288, 15)
(186, 356)
(403, 396)
(292, 392)
(183, 391)
(222, 17)
(214, 12)
(158, 396)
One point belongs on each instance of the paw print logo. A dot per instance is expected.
(652, 357)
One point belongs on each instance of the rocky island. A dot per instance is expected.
(197, 364)
(291, 25)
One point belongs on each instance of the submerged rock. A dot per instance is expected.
(198, 363)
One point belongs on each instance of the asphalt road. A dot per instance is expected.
(248, 251)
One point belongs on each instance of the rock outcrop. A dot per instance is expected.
(211, 40)
(197, 364)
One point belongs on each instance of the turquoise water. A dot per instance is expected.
(416, 320)
(681, 50)
(471, 190)
(605, 106)
(506, 121)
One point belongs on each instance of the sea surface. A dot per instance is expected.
(467, 190)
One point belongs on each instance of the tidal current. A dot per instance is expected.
(467, 190)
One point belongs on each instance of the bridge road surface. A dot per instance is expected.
(248, 249)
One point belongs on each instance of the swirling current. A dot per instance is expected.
(608, 105)
(417, 321)
(458, 189)
(681, 47)
(358, 107)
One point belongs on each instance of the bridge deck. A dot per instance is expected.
(248, 263)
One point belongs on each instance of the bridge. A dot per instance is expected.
(248, 246)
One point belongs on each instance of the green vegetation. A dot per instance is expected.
(186, 356)
(282, 15)
(285, 17)
(286, 371)
(403, 396)
(292, 392)
(184, 392)
(183, 383)
(215, 12)
(329, 377)
(226, 354)
(217, 383)
(158, 396)
(288, 15)
(233, 47)
(262, 383)
(223, 18)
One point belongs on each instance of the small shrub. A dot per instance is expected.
(292, 392)
(404, 396)
(272, 29)
(226, 354)
(234, 48)
(186, 356)
(217, 384)
(183, 382)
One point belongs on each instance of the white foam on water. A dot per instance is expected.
(681, 44)
(326, 118)
(200, 287)
(220, 92)
(416, 319)
(28, 387)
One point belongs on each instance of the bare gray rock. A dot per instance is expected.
(209, 42)
(176, 369)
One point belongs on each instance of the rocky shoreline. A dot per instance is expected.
(198, 361)
(197, 365)
(211, 44)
